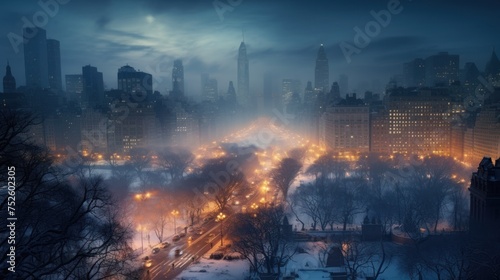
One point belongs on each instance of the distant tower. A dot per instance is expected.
(492, 71)
(321, 72)
(209, 88)
(135, 82)
(9, 82)
(93, 87)
(343, 84)
(178, 76)
(309, 95)
(243, 77)
(54, 64)
(231, 94)
(35, 57)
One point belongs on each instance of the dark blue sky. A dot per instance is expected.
(282, 37)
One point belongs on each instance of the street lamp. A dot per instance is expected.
(175, 213)
(221, 217)
(141, 197)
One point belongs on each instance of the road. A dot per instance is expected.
(167, 266)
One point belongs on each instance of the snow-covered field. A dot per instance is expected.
(307, 266)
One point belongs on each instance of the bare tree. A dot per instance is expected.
(365, 258)
(263, 239)
(328, 167)
(175, 162)
(139, 161)
(317, 201)
(224, 179)
(348, 202)
(67, 226)
(284, 175)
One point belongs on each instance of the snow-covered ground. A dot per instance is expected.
(307, 265)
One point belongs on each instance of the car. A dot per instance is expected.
(178, 252)
(211, 235)
(217, 255)
(176, 238)
(182, 234)
(155, 250)
(199, 232)
(164, 244)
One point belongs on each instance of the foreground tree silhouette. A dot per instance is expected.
(67, 226)
(263, 239)
(284, 175)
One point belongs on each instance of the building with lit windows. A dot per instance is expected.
(137, 83)
(442, 68)
(346, 126)
(485, 135)
(419, 121)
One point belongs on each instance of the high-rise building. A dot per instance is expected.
(486, 133)
(137, 83)
(485, 199)
(209, 88)
(469, 78)
(243, 93)
(492, 69)
(343, 84)
(231, 94)
(309, 96)
(441, 69)
(419, 121)
(74, 86)
(178, 77)
(289, 87)
(54, 65)
(321, 71)
(414, 73)
(35, 57)
(93, 87)
(9, 82)
(346, 126)
(268, 99)
(333, 96)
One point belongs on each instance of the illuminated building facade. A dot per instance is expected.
(346, 127)
(419, 121)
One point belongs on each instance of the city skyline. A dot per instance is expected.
(150, 35)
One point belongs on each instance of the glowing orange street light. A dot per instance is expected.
(221, 218)
(175, 213)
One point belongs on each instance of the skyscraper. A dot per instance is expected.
(9, 82)
(243, 94)
(289, 87)
(414, 73)
(35, 57)
(178, 76)
(54, 64)
(492, 70)
(74, 86)
(135, 82)
(93, 87)
(441, 68)
(209, 88)
(321, 71)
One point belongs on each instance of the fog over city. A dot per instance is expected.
(237, 139)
